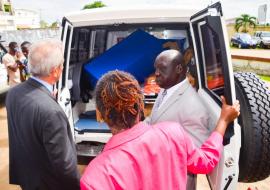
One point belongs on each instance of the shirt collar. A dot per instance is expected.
(175, 87)
(44, 83)
(127, 135)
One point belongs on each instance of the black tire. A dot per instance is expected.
(254, 98)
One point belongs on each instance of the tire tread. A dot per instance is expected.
(255, 152)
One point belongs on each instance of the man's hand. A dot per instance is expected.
(227, 115)
(13, 67)
(21, 66)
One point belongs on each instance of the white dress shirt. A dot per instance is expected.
(170, 91)
(48, 86)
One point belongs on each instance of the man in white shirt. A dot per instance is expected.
(10, 60)
(178, 101)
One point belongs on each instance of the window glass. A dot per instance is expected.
(212, 60)
(83, 44)
(7, 8)
(105, 38)
(100, 42)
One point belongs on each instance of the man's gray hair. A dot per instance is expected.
(44, 56)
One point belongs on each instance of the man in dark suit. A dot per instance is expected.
(42, 151)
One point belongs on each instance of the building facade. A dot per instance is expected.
(13, 19)
(264, 14)
(7, 19)
(27, 19)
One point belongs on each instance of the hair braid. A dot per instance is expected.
(119, 98)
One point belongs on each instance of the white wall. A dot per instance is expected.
(29, 35)
(27, 18)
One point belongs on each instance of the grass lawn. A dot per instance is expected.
(266, 78)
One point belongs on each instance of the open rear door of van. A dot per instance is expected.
(215, 78)
(63, 85)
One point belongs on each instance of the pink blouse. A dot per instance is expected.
(151, 157)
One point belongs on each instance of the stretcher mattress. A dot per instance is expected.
(134, 54)
(88, 123)
(91, 125)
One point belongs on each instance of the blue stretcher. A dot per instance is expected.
(91, 125)
(88, 123)
(135, 54)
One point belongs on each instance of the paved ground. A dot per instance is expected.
(202, 182)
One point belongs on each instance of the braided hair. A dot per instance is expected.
(119, 99)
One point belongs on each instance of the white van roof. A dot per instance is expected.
(113, 15)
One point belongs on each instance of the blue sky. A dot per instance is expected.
(54, 10)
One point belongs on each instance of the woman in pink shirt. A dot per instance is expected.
(140, 156)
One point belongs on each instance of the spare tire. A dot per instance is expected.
(254, 98)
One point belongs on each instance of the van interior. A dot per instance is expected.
(96, 50)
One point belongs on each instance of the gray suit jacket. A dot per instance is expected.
(185, 107)
(41, 149)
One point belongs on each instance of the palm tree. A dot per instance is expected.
(245, 21)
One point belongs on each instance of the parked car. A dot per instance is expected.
(263, 38)
(98, 39)
(243, 40)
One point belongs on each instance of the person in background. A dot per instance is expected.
(178, 101)
(12, 61)
(42, 153)
(25, 46)
(142, 156)
(190, 63)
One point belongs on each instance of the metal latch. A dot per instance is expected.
(229, 162)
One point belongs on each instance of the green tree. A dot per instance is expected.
(54, 24)
(43, 24)
(245, 22)
(96, 4)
